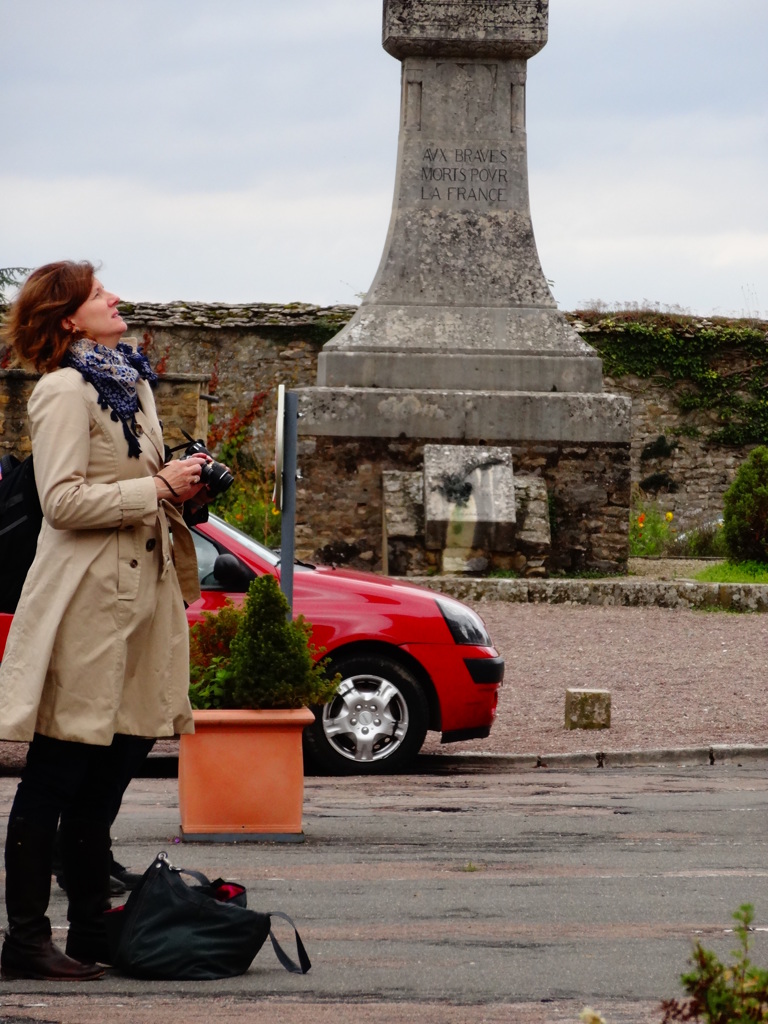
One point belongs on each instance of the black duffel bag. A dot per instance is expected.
(168, 929)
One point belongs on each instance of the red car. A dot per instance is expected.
(410, 659)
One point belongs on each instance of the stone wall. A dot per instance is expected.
(246, 350)
(178, 397)
(686, 474)
(587, 488)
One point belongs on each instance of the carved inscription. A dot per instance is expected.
(464, 175)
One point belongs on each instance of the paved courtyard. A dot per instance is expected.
(468, 893)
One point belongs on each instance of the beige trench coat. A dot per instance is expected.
(99, 642)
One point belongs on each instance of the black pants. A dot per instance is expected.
(76, 781)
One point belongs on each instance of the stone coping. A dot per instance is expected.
(626, 592)
(215, 315)
(19, 373)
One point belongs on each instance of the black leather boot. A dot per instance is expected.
(28, 951)
(86, 857)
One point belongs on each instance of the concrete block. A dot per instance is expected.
(587, 709)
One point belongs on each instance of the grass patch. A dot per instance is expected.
(734, 572)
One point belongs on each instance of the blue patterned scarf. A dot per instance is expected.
(114, 373)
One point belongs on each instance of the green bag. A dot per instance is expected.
(170, 930)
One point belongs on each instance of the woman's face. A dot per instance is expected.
(98, 318)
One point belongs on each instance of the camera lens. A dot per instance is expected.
(216, 477)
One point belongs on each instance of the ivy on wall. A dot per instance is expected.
(711, 364)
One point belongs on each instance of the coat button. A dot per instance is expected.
(139, 430)
(151, 544)
(133, 563)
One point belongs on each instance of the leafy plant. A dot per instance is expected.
(209, 645)
(10, 277)
(711, 363)
(745, 510)
(720, 994)
(704, 541)
(248, 502)
(650, 529)
(256, 656)
(248, 506)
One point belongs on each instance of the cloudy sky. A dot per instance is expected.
(244, 150)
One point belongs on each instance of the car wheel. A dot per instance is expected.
(376, 722)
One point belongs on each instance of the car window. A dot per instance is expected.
(207, 553)
(264, 553)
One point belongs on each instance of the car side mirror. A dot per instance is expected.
(232, 574)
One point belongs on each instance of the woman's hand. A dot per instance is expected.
(180, 479)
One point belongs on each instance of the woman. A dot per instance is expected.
(96, 662)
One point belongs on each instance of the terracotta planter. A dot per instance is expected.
(241, 776)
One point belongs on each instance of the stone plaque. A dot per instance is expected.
(469, 497)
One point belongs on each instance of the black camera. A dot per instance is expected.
(215, 475)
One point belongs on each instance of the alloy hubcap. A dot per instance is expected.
(367, 720)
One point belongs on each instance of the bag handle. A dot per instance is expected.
(304, 963)
(201, 878)
(197, 875)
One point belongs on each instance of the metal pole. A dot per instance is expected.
(288, 526)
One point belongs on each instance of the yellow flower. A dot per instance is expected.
(669, 517)
(275, 511)
(590, 1016)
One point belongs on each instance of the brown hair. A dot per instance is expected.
(34, 325)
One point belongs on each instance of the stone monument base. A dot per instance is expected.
(360, 500)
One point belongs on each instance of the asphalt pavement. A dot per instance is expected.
(471, 890)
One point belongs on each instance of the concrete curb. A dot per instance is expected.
(634, 592)
(716, 753)
(163, 765)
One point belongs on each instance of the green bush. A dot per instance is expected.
(745, 510)
(256, 656)
(705, 541)
(719, 994)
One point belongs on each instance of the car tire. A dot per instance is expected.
(376, 723)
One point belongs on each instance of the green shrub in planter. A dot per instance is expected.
(256, 657)
(745, 510)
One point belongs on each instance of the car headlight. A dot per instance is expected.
(465, 625)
